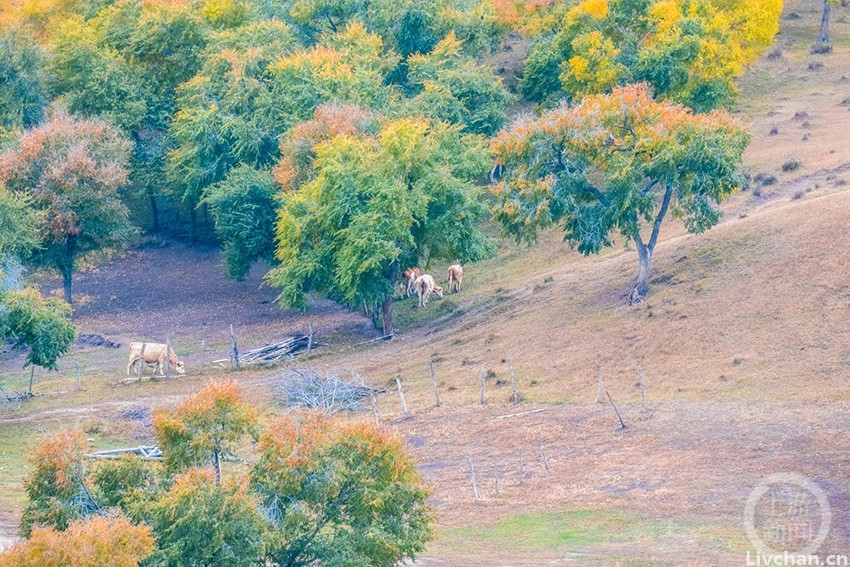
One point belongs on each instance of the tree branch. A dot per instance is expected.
(656, 227)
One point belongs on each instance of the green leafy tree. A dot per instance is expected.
(23, 93)
(42, 325)
(244, 209)
(617, 163)
(19, 223)
(339, 495)
(375, 202)
(72, 169)
(454, 88)
(204, 428)
(201, 522)
(690, 52)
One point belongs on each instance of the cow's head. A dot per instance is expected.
(439, 291)
(180, 367)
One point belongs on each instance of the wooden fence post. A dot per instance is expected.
(513, 381)
(542, 451)
(401, 397)
(32, 377)
(168, 357)
(310, 337)
(434, 382)
(472, 476)
(77, 370)
(483, 375)
(234, 347)
(374, 408)
(141, 361)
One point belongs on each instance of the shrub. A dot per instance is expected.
(791, 165)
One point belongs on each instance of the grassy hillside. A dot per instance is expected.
(744, 346)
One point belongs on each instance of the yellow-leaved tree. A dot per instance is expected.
(688, 51)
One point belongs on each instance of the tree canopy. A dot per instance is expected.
(617, 163)
(374, 204)
(71, 169)
(688, 51)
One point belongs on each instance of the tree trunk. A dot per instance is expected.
(824, 23)
(641, 287)
(217, 464)
(193, 225)
(154, 214)
(67, 279)
(387, 315)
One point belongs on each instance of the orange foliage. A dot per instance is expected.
(296, 148)
(58, 456)
(92, 543)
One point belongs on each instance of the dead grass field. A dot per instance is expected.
(744, 344)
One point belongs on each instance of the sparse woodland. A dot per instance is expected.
(336, 144)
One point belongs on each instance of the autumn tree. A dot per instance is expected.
(95, 542)
(55, 483)
(370, 205)
(339, 494)
(617, 163)
(690, 52)
(204, 428)
(72, 169)
(19, 224)
(202, 522)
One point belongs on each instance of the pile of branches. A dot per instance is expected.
(275, 352)
(307, 388)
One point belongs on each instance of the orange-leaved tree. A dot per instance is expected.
(617, 163)
(95, 542)
(204, 428)
(72, 169)
(55, 483)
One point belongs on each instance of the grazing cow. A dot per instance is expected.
(425, 286)
(455, 277)
(155, 353)
(409, 276)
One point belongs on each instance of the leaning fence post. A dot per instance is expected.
(77, 370)
(483, 375)
(513, 381)
(472, 476)
(622, 423)
(234, 347)
(310, 337)
(434, 382)
(401, 398)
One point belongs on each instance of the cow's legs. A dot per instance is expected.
(131, 365)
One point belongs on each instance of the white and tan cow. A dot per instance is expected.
(409, 276)
(154, 354)
(455, 277)
(425, 286)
